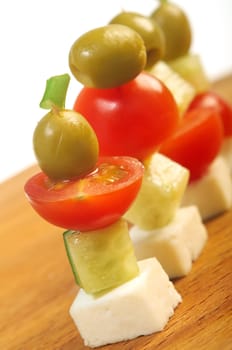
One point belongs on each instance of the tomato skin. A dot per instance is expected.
(88, 203)
(132, 119)
(197, 141)
(212, 100)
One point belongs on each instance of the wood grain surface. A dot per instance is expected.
(37, 286)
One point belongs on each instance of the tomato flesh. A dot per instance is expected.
(94, 201)
(196, 142)
(132, 119)
(214, 101)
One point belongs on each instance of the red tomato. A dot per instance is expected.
(89, 203)
(212, 100)
(132, 119)
(196, 142)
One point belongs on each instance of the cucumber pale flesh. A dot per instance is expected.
(101, 259)
(160, 195)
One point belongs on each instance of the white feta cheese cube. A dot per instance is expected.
(176, 245)
(139, 307)
(212, 194)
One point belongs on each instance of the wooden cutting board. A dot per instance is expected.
(37, 286)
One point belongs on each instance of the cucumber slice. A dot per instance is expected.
(182, 91)
(160, 195)
(101, 259)
(190, 68)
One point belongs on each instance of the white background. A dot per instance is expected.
(35, 38)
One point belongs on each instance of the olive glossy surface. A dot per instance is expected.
(149, 30)
(108, 56)
(176, 28)
(65, 145)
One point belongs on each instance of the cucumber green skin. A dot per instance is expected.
(70, 234)
(101, 259)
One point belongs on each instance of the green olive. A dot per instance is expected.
(65, 145)
(150, 32)
(108, 56)
(176, 28)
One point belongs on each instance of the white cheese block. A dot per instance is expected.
(139, 307)
(226, 152)
(212, 194)
(176, 245)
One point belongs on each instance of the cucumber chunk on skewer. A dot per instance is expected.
(190, 68)
(160, 195)
(101, 259)
(182, 91)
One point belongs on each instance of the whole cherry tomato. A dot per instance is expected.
(212, 100)
(132, 119)
(196, 142)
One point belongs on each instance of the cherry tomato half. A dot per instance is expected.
(196, 142)
(94, 201)
(212, 100)
(132, 119)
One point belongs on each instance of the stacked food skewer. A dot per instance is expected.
(133, 170)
